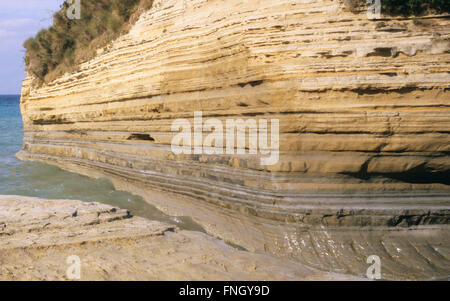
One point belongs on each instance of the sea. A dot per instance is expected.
(41, 180)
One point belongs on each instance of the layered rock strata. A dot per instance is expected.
(364, 123)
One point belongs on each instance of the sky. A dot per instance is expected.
(20, 20)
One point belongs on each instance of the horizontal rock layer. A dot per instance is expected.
(363, 109)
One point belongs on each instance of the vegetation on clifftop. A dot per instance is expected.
(67, 43)
(406, 7)
(416, 7)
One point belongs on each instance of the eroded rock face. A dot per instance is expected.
(364, 124)
(37, 237)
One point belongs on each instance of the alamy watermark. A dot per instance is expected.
(374, 271)
(74, 10)
(230, 138)
(73, 272)
(374, 10)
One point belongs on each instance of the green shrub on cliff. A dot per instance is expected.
(415, 7)
(67, 43)
(405, 7)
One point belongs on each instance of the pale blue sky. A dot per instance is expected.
(19, 20)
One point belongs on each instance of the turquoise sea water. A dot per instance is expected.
(45, 181)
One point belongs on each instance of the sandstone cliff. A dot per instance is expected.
(364, 127)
